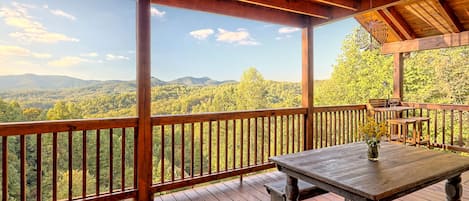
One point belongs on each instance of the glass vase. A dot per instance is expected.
(373, 151)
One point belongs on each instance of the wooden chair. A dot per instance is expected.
(374, 103)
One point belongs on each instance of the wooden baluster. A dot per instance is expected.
(321, 125)
(54, 166)
(263, 140)
(452, 126)
(4, 168)
(83, 188)
(316, 131)
(435, 130)
(255, 141)
(287, 133)
(183, 150)
(443, 127)
(201, 148)
(70, 151)
(298, 125)
(162, 155)
(218, 146)
(241, 141)
(111, 161)
(172, 152)
(234, 143)
(249, 142)
(192, 150)
(135, 154)
(293, 133)
(270, 136)
(22, 168)
(210, 147)
(281, 136)
(275, 136)
(226, 145)
(98, 149)
(123, 159)
(460, 129)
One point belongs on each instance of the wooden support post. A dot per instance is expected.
(144, 151)
(398, 76)
(307, 80)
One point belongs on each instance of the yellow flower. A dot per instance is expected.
(372, 131)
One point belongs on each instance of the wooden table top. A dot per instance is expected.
(394, 108)
(399, 171)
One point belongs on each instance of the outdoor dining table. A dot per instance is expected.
(397, 110)
(346, 171)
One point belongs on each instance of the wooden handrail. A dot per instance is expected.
(431, 106)
(214, 116)
(35, 127)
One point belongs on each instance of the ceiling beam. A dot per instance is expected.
(432, 42)
(363, 7)
(398, 21)
(391, 25)
(301, 7)
(450, 17)
(346, 4)
(240, 9)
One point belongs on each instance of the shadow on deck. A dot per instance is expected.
(252, 189)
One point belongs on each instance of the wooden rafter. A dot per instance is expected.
(240, 9)
(301, 7)
(448, 13)
(363, 6)
(432, 42)
(394, 30)
(346, 4)
(398, 21)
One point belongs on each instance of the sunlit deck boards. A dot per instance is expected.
(252, 189)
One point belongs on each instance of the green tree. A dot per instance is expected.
(251, 90)
(64, 110)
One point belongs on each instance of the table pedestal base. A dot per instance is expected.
(453, 189)
(291, 189)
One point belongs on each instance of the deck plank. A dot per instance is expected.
(252, 189)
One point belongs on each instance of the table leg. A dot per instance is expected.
(453, 189)
(291, 189)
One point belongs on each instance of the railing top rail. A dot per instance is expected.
(432, 106)
(338, 108)
(35, 127)
(204, 117)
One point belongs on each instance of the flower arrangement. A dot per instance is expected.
(372, 131)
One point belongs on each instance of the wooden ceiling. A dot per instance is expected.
(406, 20)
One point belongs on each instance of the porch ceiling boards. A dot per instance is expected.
(406, 20)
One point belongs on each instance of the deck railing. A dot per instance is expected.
(191, 149)
(448, 127)
(187, 149)
(67, 176)
(335, 125)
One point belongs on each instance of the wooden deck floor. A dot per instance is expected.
(252, 189)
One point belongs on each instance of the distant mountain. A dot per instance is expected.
(41, 82)
(29, 82)
(194, 81)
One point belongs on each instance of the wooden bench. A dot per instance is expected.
(374, 103)
(306, 190)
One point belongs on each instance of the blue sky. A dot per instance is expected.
(92, 39)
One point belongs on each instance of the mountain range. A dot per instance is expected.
(53, 82)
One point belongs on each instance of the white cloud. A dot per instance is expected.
(157, 13)
(45, 6)
(41, 55)
(67, 61)
(62, 13)
(29, 30)
(287, 30)
(14, 51)
(6, 50)
(111, 57)
(201, 34)
(239, 37)
(90, 54)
